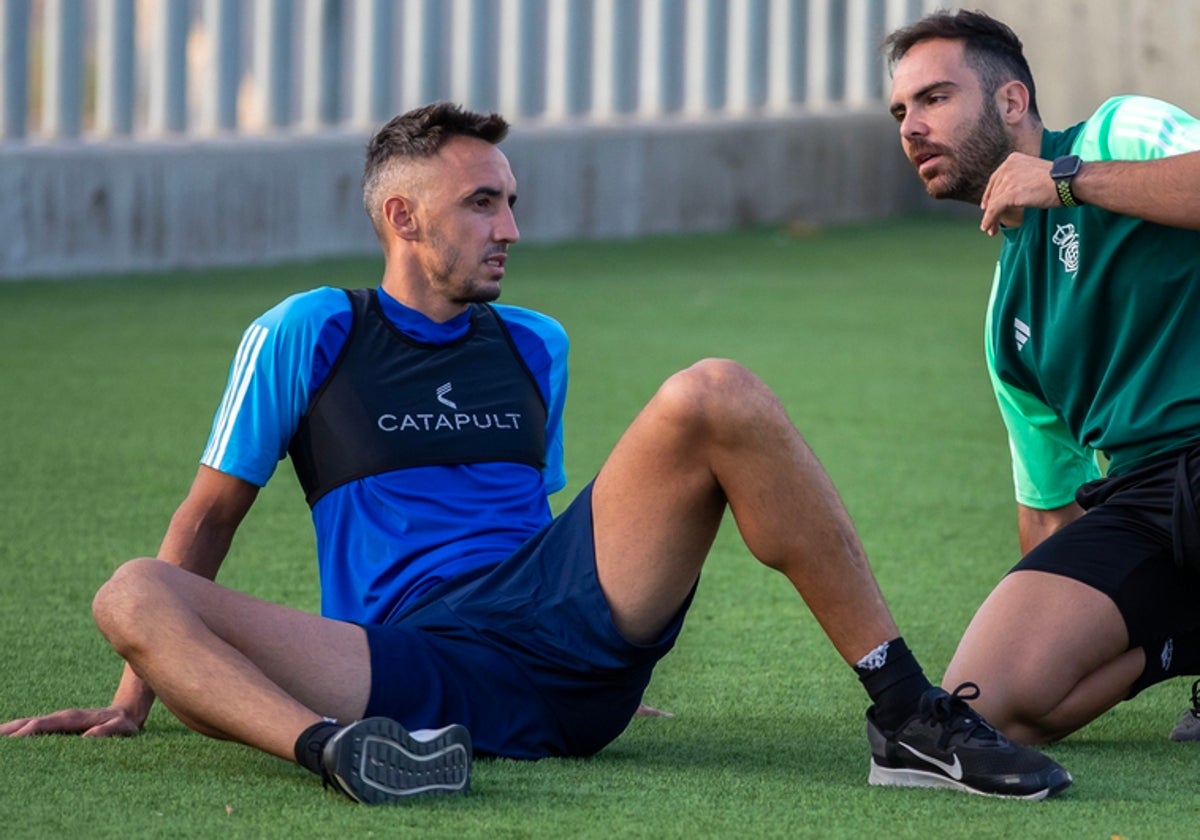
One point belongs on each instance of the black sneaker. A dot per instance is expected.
(376, 761)
(946, 744)
(1188, 727)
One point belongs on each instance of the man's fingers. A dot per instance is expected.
(95, 723)
(13, 727)
(649, 711)
(116, 728)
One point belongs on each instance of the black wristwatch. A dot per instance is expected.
(1062, 171)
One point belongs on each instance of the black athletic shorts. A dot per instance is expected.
(1138, 543)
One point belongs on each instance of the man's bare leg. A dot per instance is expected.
(1049, 653)
(230, 665)
(714, 435)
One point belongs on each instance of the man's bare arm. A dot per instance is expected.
(1165, 190)
(1034, 525)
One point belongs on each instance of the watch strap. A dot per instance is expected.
(1064, 192)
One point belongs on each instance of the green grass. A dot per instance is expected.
(872, 337)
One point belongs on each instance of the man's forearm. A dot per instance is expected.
(1165, 190)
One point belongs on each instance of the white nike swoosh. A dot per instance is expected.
(954, 771)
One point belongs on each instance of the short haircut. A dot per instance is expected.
(991, 48)
(418, 134)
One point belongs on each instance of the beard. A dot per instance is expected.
(455, 281)
(973, 160)
(474, 294)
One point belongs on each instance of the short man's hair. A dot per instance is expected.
(990, 48)
(418, 134)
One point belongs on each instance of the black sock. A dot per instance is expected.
(1173, 656)
(311, 742)
(895, 682)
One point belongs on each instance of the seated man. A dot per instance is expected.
(458, 617)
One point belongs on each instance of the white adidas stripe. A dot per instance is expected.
(235, 393)
(1022, 333)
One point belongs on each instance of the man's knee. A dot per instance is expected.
(713, 391)
(119, 605)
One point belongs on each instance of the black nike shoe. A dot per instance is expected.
(1188, 727)
(946, 744)
(376, 761)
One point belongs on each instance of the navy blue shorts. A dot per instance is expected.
(525, 655)
(1139, 544)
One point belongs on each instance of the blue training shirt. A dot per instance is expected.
(388, 538)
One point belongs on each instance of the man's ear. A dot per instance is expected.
(399, 214)
(1012, 99)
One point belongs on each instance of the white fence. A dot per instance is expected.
(161, 68)
(153, 134)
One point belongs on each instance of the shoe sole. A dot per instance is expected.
(1188, 728)
(379, 762)
(903, 777)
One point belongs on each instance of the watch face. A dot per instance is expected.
(1065, 167)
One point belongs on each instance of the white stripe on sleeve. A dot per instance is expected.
(235, 392)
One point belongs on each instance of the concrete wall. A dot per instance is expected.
(91, 207)
(74, 208)
(70, 209)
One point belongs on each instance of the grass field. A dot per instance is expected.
(870, 334)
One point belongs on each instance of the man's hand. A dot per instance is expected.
(90, 723)
(649, 711)
(1021, 181)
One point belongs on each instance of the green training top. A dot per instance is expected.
(1093, 329)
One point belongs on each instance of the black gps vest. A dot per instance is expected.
(391, 403)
